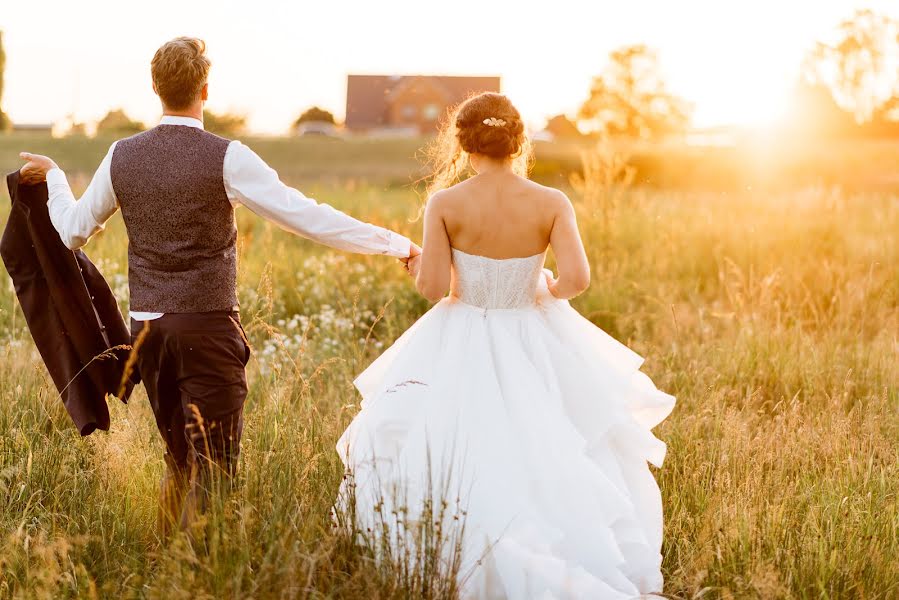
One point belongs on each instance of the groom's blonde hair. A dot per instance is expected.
(180, 69)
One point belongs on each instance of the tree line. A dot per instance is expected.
(117, 122)
(848, 87)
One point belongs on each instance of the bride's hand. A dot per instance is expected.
(550, 280)
(413, 266)
(544, 287)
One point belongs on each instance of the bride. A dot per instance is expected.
(503, 419)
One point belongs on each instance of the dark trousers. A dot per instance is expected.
(193, 368)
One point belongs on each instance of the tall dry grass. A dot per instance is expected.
(771, 317)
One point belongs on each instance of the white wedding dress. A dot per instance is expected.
(532, 423)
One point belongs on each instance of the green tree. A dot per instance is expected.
(225, 124)
(4, 120)
(118, 123)
(861, 65)
(315, 114)
(630, 98)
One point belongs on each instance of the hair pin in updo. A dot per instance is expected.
(494, 122)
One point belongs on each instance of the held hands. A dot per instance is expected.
(413, 261)
(35, 169)
(414, 266)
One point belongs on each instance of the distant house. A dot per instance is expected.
(407, 104)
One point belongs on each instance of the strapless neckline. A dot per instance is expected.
(533, 256)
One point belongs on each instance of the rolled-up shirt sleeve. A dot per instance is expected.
(251, 182)
(77, 220)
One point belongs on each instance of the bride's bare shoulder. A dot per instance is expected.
(443, 199)
(546, 195)
(440, 203)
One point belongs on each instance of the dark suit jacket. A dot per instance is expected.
(70, 310)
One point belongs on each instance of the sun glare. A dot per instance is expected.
(738, 88)
(765, 106)
(735, 63)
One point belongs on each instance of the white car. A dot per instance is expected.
(322, 128)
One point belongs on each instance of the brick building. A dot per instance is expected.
(412, 104)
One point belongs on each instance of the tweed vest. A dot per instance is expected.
(182, 252)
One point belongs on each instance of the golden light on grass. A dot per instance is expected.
(771, 313)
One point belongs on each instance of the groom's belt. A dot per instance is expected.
(234, 309)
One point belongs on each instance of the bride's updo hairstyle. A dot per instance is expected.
(487, 124)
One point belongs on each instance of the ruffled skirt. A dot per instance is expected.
(526, 435)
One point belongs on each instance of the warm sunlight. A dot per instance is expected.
(746, 92)
(465, 300)
(733, 62)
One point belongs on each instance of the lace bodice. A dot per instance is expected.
(496, 283)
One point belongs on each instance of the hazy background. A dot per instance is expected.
(735, 60)
(755, 266)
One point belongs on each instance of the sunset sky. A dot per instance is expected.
(735, 60)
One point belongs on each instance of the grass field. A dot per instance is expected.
(772, 315)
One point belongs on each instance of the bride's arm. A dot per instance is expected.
(433, 280)
(571, 259)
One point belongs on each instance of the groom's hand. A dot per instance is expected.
(414, 254)
(35, 169)
(414, 250)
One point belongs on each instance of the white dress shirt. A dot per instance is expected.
(248, 181)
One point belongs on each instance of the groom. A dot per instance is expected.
(177, 187)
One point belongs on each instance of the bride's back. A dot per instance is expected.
(499, 215)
